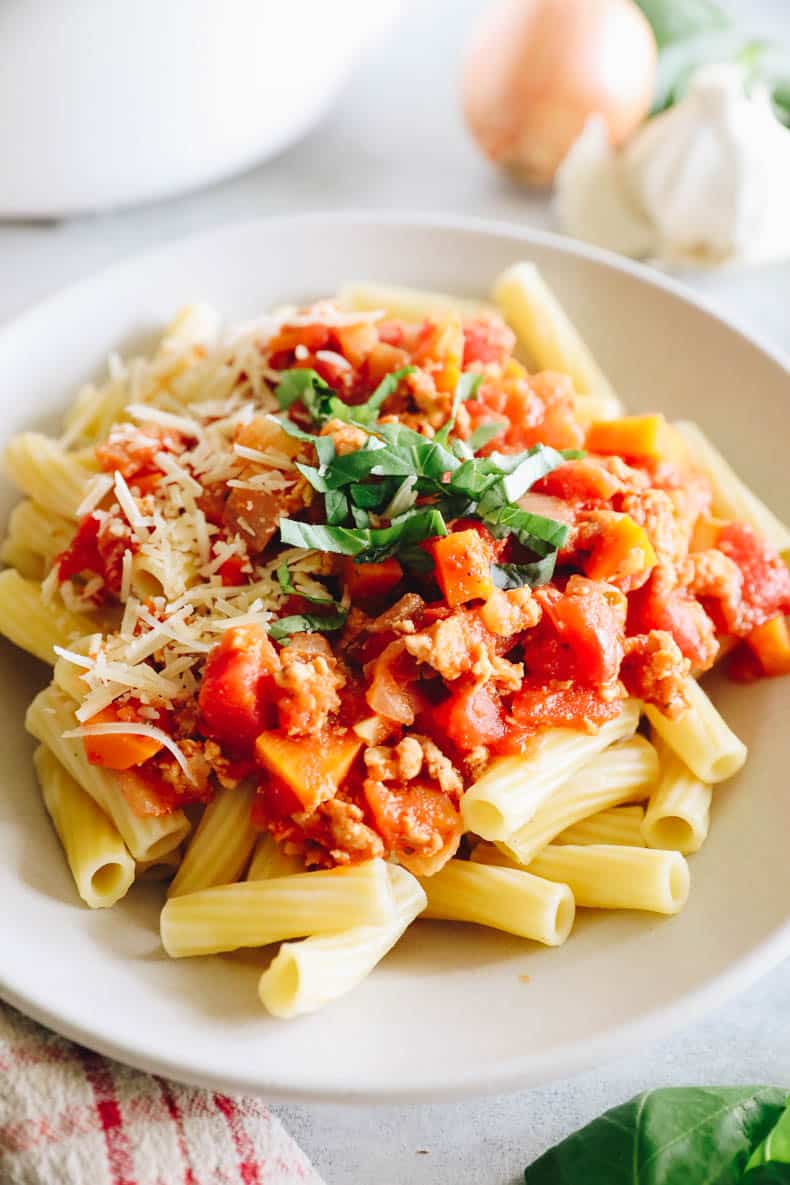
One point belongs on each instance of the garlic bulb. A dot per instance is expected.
(707, 182)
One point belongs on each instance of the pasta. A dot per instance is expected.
(619, 774)
(33, 624)
(220, 848)
(513, 788)
(732, 499)
(550, 340)
(504, 898)
(255, 913)
(100, 863)
(700, 737)
(352, 619)
(609, 876)
(304, 976)
(678, 813)
(620, 825)
(49, 718)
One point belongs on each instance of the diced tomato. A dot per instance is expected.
(273, 800)
(417, 822)
(539, 410)
(742, 665)
(581, 635)
(392, 332)
(147, 792)
(655, 607)
(585, 481)
(236, 694)
(131, 449)
(95, 548)
(312, 337)
(487, 339)
(470, 717)
(766, 579)
(233, 572)
(557, 707)
(370, 581)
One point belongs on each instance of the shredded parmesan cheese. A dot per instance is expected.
(141, 730)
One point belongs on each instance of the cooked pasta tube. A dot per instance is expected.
(700, 737)
(513, 788)
(255, 913)
(507, 899)
(732, 498)
(305, 975)
(31, 622)
(678, 813)
(146, 836)
(609, 876)
(269, 860)
(100, 863)
(412, 304)
(549, 337)
(43, 470)
(221, 845)
(620, 824)
(37, 528)
(163, 868)
(621, 773)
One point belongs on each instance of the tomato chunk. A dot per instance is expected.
(561, 707)
(470, 717)
(586, 626)
(766, 579)
(236, 691)
(418, 823)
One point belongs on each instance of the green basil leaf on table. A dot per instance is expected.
(674, 1136)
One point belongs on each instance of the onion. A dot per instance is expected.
(538, 68)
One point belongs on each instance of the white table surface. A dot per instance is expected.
(395, 141)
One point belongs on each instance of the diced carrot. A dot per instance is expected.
(119, 750)
(313, 767)
(463, 567)
(631, 436)
(771, 643)
(623, 549)
(371, 580)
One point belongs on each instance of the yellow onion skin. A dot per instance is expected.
(536, 69)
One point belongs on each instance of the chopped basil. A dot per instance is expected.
(524, 575)
(465, 388)
(484, 433)
(287, 585)
(364, 543)
(336, 505)
(323, 403)
(539, 534)
(303, 384)
(306, 623)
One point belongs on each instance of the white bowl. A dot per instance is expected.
(109, 104)
(447, 1014)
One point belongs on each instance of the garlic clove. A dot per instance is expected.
(592, 199)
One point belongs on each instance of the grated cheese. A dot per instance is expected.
(144, 412)
(97, 489)
(128, 505)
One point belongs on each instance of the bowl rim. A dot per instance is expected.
(564, 1060)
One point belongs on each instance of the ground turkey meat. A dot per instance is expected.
(308, 684)
(407, 760)
(654, 670)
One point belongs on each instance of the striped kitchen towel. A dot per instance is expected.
(71, 1117)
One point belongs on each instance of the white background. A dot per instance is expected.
(395, 141)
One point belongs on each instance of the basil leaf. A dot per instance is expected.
(688, 1135)
(776, 1145)
(361, 517)
(772, 1173)
(287, 585)
(305, 623)
(403, 499)
(465, 388)
(524, 575)
(369, 545)
(408, 453)
(677, 20)
(323, 445)
(539, 534)
(301, 383)
(367, 413)
(485, 432)
(372, 497)
(336, 505)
